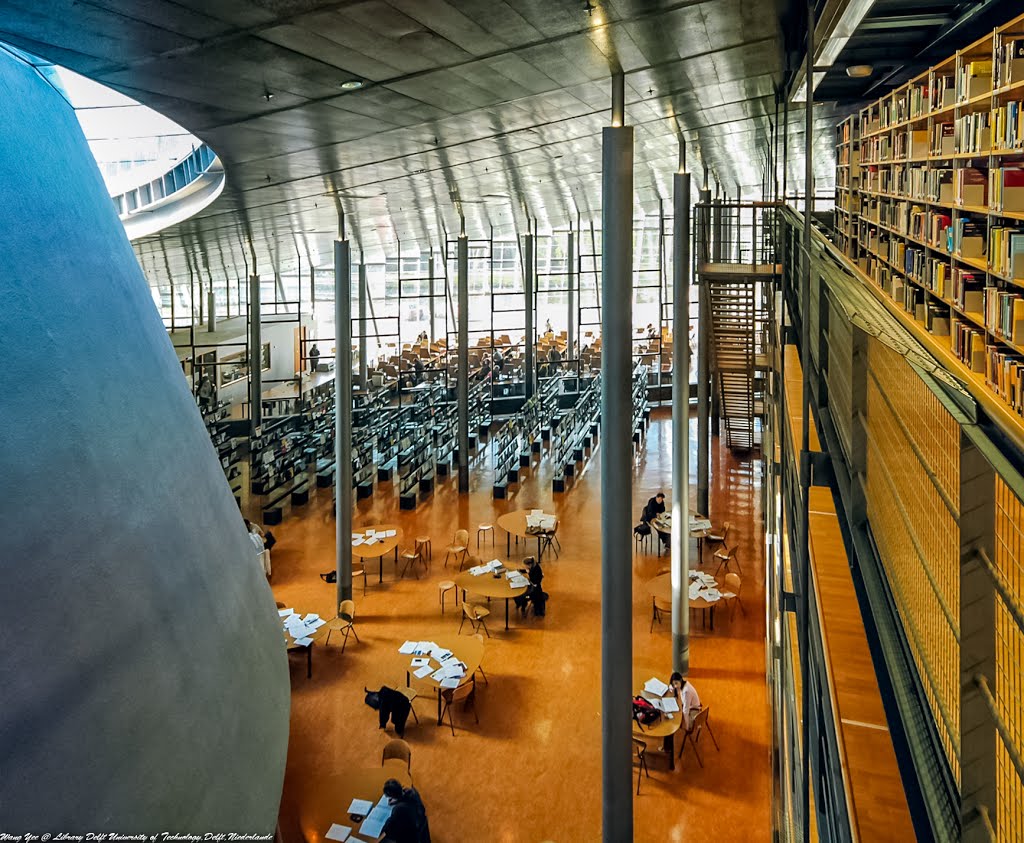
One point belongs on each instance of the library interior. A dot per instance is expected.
(635, 449)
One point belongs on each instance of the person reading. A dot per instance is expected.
(408, 820)
(534, 593)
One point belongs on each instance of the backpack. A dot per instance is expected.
(642, 529)
(644, 712)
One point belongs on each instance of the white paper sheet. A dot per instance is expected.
(655, 686)
(358, 541)
(420, 662)
(536, 512)
(303, 642)
(370, 540)
(284, 613)
(451, 682)
(370, 532)
(373, 825)
(408, 648)
(360, 807)
(426, 670)
(390, 534)
(338, 832)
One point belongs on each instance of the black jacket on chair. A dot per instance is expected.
(394, 705)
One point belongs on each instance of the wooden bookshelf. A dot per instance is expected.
(930, 207)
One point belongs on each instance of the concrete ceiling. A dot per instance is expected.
(491, 107)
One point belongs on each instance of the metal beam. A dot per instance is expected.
(255, 355)
(364, 363)
(529, 279)
(616, 473)
(681, 422)
(462, 380)
(343, 417)
(703, 365)
(570, 262)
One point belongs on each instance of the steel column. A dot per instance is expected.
(462, 381)
(530, 366)
(255, 355)
(343, 417)
(364, 363)
(570, 262)
(681, 422)
(430, 292)
(211, 310)
(616, 473)
(703, 373)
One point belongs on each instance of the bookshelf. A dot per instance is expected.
(930, 205)
(230, 449)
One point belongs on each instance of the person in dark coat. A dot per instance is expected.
(535, 575)
(408, 820)
(655, 507)
(314, 357)
(393, 705)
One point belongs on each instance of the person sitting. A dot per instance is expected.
(408, 820)
(686, 696)
(498, 361)
(534, 593)
(655, 507)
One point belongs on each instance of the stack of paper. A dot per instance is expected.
(479, 570)
(373, 825)
(665, 704)
(357, 541)
(694, 590)
(426, 670)
(518, 581)
(390, 534)
(370, 540)
(338, 832)
(360, 807)
(536, 512)
(495, 565)
(408, 648)
(655, 686)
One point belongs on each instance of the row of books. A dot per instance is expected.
(968, 290)
(1004, 373)
(1009, 63)
(1006, 189)
(968, 344)
(1006, 251)
(973, 133)
(1004, 314)
(1008, 126)
(973, 78)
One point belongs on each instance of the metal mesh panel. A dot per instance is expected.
(912, 439)
(840, 366)
(1009, 685)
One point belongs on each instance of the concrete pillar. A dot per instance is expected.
(462, 384)
(703, 366)
(680, 423)
(616, 474)
(211, 310)
(530, 366)
(255, 355)
(978, 735)
(570, 259)
(364, 363)
(430, 291)
(343, 416)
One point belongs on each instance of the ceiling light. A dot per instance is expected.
(352, 84)
(588, 7)
(859, 71)
(267, 95)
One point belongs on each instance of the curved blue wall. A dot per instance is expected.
(144, 680)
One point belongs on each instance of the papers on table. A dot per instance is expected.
(389, 534)
(360, 807)
(699, 524)
(536, 512)
(694, 590)
(338, 832)
(537, 520)
(665, 704)
(655, 686)
(427, 652)
(284, 613)
(450, 682)
(370, 540)
(408, 648)
(426, 670)
(358, 541)
(373, 825)
(303, 642)
(711, 595)
(420, 662)
(518, 581)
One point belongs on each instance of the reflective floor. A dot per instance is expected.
(531, 769)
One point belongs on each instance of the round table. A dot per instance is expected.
(514, 524)
(488, 585)
(663, 728)
(291, 647)
(663, 527)
(380, 548)
(326, 800)
(660, 587)
(467, 649)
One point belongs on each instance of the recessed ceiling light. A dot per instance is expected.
(352, 84)
(859, 71)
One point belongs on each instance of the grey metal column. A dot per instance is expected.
(703, 370)
(570, 258)
(364, 363)
(616, 474)
(462, 383)
(255, 355)
(681, 416)
(343, 414)
(211, 310)
(803, 615)
(530, 365)
(430, 291)
(312, 286)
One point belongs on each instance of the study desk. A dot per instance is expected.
(660, 587)
(467, 649)
(328, 797)
(663, 526)
(291, 647)
(514, 524)
(487, 585)
(663, 728)
(378, 548)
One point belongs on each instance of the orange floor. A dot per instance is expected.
(531, 771)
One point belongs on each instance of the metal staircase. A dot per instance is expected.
(734, 327)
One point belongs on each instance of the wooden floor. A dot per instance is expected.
(531, 771)
(879, 804)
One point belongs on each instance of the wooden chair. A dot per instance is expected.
(411, 558)
(657, 610)
(444, 587)
(410, 695)
(731, 594)
(475, 615)
(344, 623)
(725, 558)
(424, 547)
(466, 694)
(480, 667)
(641, 761)
(397, 754)
(458, 548)
(359, 571)
(484, 528)
(716, 539)
(700, 723)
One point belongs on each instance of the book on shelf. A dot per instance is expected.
(973, 133)
(1009, 65)
(936, 319)
(943, 139)
(918, 98)
(968, 344)
(1006, 251)
(1004, 314)
(1008, 126)
(943, 92)
(938, 275)
(968, 290)
(1006, 188)
(940, 225)
(970, 186)
(967, 238)
(974, 79)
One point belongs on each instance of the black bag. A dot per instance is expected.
(372, 699)
(330, 576)
(643, 712)
(642, 529)
(268, 539)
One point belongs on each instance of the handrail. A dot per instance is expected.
(157, 191)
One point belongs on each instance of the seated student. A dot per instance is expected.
(533, 592)
(686, 695)
(655, 507)
(408, 820)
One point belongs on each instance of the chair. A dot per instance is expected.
(657, 610)
(344, 623)
(641, 541)
(446, 586)
(466, 694)
(410, 695)
(700, 723)
(424, 547)
(718, 540)
(475, 615)
(359, 571)
(397, 754)
(484, 528)
(732, 592)
(411, 557)
(725, 558)
(641, 761)
(480, 666)
(458, 547)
